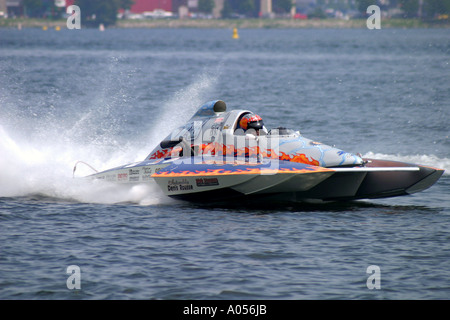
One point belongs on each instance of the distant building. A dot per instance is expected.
(141, 6)
(3, 8)
(14, 8)
(188, 6)
(181, 7)
(266, 8)
(218, 7)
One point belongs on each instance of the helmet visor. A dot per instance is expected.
(257, 125)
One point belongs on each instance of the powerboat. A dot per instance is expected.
(212, 158)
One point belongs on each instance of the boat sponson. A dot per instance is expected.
(396, 183)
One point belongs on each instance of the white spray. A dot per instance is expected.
(42, 163)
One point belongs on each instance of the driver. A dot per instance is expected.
(251, 123)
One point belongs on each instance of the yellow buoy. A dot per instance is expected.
(57, 28)
(235, 33)
(44, 28)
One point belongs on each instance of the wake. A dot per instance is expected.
(426, 160)
(38, 154)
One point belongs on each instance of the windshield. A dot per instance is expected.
(281, 131)
(190, 131)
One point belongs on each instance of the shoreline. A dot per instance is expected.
(248, 23)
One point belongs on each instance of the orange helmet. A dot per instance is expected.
(251, 121)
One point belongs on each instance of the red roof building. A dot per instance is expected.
(141, 6)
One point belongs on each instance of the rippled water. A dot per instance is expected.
(108, 98)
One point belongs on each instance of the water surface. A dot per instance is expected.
(108, 98)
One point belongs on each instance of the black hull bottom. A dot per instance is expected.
(341, 186)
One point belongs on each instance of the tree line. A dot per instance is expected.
(104, 12)
(427, 9)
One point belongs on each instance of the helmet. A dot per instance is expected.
(251, 121)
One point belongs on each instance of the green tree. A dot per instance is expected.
(432, 8)
(227, 10)
(317, 13)
(94, 13)
(246, 7)
(409, 7)
(282, 5)
(364, 4)
(126, 4)
(33, 8)
(206, 6)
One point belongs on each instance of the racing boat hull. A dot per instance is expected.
(298, 182)
(208, 159)
(205, 181)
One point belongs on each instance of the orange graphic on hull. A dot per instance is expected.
(301, 158)
(217, 149)
(256, 171)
